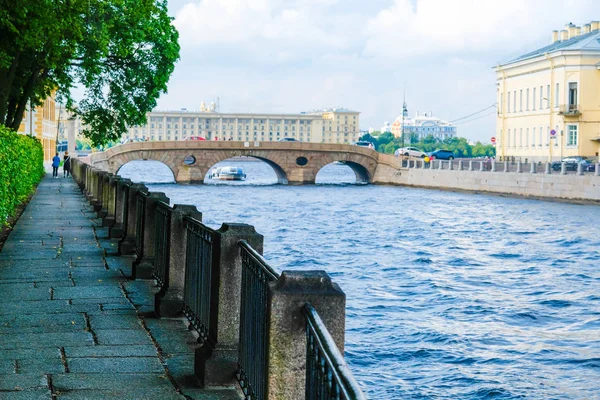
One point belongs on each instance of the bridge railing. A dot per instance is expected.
(483, 165)
(251, 321)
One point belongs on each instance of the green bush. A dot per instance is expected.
(21, 169)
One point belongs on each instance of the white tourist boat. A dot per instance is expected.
(228, 174)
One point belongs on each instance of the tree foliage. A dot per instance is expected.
(122, 52)
(388, 143)
(21, 168)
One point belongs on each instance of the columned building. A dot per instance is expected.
(549, 99)
(318, 126)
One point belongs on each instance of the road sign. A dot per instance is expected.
(552, 132)
(493, 140)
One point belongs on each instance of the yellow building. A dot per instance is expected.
(320, 126)
(41, 122)
(549, 99)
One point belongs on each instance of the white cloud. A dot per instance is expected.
(441, 27)
(261, 26)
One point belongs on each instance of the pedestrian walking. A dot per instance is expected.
(66, 165)
(55, 165)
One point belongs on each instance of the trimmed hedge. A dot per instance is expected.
(21, 169)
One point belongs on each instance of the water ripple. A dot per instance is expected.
(449, 295)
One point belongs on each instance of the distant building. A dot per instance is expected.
(387, 127)
(41, 122)
(549, 99)
(423, 125)
(335, 125)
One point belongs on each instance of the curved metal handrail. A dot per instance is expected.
(259, 260)
(341, 374)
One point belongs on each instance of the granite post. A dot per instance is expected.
(127, 242)
(117, 230)
(287, 327)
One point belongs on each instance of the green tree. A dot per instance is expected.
(121, 51)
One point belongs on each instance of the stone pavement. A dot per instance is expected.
(72, 325)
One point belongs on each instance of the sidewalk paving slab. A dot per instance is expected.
(73, 325)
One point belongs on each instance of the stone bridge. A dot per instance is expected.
(293, 162)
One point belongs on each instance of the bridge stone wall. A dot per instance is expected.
(282, 156)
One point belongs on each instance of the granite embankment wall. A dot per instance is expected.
(572, 187)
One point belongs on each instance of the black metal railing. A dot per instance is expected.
(140, 212)
(162, 243)
(327, 375)
(198, 276)
(252, 358)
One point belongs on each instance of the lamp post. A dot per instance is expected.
(404, 114)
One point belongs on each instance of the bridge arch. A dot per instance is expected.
(280, 174)
(165, 172)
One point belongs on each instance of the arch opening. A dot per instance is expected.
(245, 170)
(147, 171)
(342, 173)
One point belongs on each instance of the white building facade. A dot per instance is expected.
(423, 125)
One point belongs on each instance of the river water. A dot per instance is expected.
(449, 295)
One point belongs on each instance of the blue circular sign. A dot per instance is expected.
(553, 132)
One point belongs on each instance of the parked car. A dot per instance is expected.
(364, 143)
(572, 162)
(441, 155)
(287, 139)
(409, 151)
(195, 138)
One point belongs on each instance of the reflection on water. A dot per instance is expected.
(449, 295)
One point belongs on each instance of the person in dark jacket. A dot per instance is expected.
(66, 165)
(55, 165)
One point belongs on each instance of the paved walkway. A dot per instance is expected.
(72, 326)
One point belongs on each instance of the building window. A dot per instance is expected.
(556, 97)
(572, 96)
(521, 100)
(520, 137)
(572, 135)
(541, 97)
(527, 101)
(508, 105)
(526, 138)
(548, 97)
(515, 101)
(541, 137)
(534, 98)
(508, 139)
(533, 137)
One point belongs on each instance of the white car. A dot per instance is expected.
(409, 151)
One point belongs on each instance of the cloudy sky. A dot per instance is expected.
(295, 55)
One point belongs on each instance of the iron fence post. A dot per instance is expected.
(216, 360)
(168, 302)
(127, 242)
(143, 266)
(287, 327)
